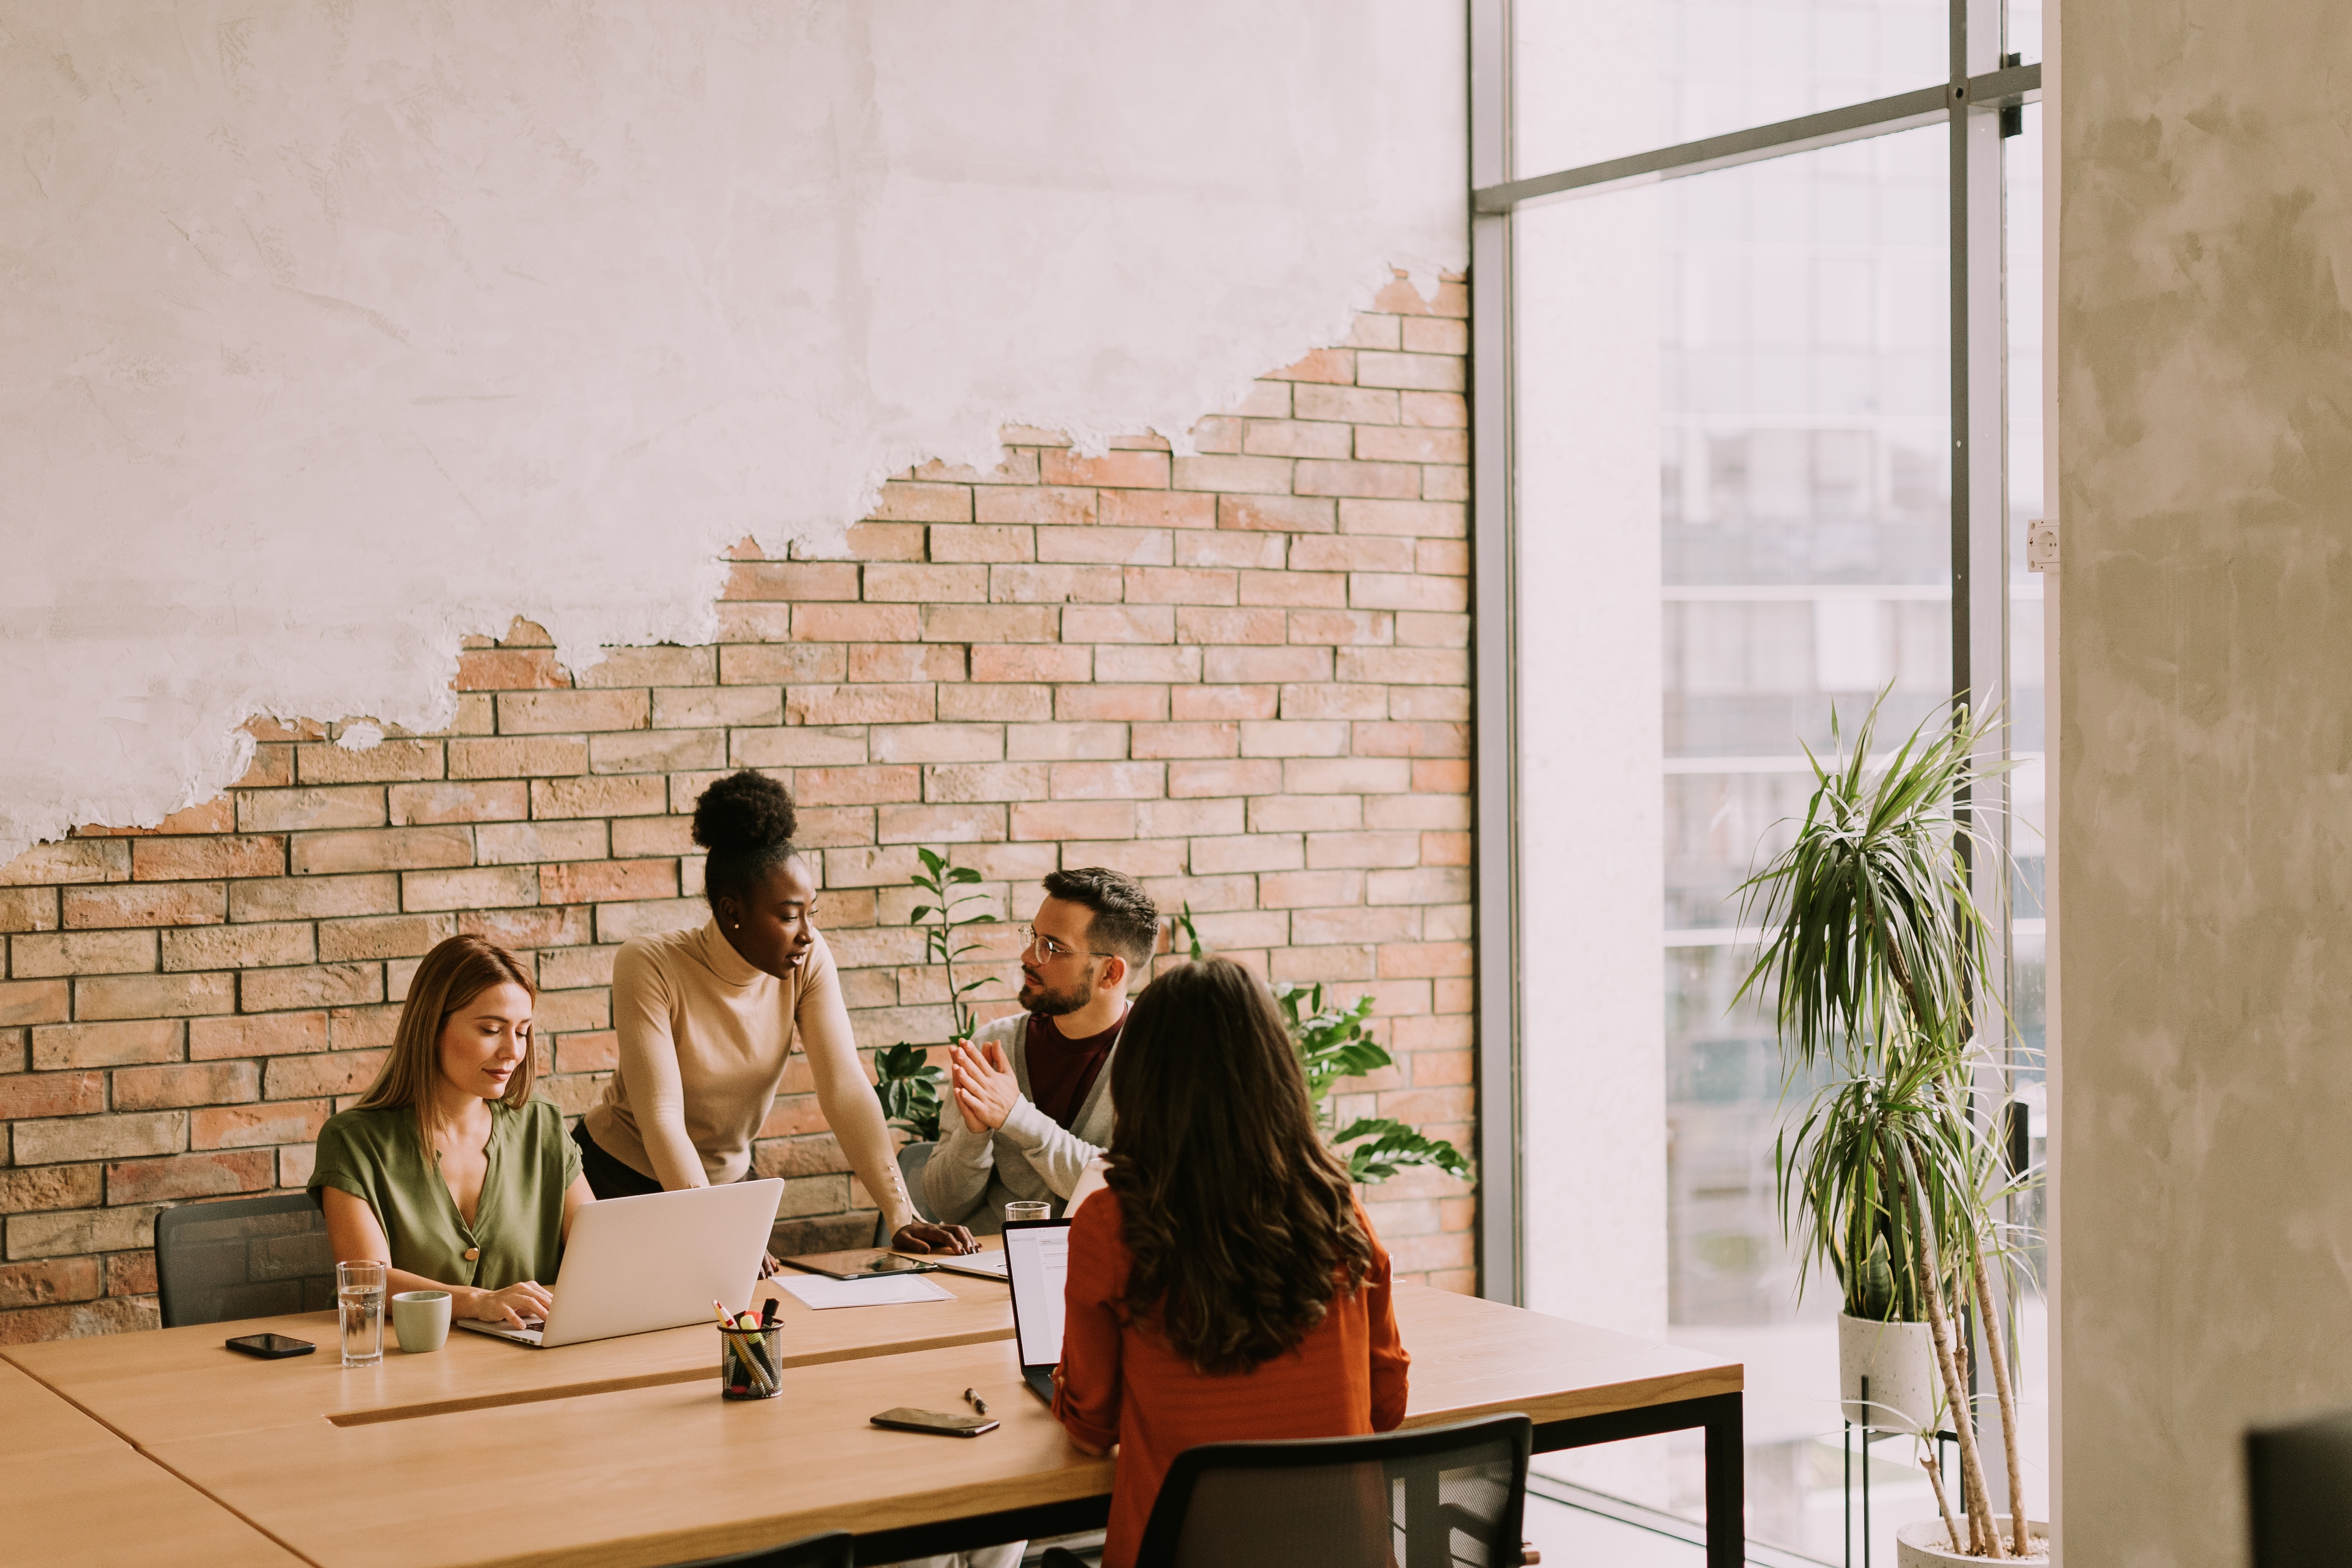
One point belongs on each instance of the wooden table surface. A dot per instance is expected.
(606, 1473)
(74, 1494)
(185, 1383)
(34, 1420)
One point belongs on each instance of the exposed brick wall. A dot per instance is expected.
(1241, 676)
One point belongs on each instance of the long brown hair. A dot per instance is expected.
(1240, 1221)
(452, 975)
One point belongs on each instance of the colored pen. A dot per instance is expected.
(744, 1351)
(976, 1402)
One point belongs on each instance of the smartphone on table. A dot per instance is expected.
(907, 1418)
(271, 1347)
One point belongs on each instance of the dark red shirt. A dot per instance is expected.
(1062, 1070)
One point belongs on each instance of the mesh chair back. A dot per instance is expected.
(2299, 1494)
(246, 1258)
(831, 1549)
(1442, 1497)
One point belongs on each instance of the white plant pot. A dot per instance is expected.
(1899, 1359)
(1925, 1543)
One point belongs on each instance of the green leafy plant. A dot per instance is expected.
(1874, 935)
(1333, 1045)
(943, 927)
(1878, 956)
(910, 1087)
(1330, 1039)
(909, 1084)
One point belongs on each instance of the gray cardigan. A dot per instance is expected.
(972, 1174)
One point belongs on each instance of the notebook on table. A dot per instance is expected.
(634, 1264)
(1036, 1261)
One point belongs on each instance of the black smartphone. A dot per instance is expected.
(880, 1263)
(906, 1418)
(271, 1347)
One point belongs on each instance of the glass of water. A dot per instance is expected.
(1015, 1213)
(358, 1301)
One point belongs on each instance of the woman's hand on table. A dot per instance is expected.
(925, 1239)
(516, 1304)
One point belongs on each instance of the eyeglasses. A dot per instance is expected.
(1053, 948)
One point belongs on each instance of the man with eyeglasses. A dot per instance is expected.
(1029, 1100)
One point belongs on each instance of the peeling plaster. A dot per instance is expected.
(332, 334)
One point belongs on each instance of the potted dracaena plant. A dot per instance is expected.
(1876, 957)
(904, 1076)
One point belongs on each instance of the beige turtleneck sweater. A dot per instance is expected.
(704, 1037)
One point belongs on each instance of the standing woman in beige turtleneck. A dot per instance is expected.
(706, 1019)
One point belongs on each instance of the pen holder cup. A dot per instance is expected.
(750, 1362)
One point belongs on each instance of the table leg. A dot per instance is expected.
(1726, 1486)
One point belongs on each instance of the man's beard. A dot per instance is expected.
(1037, 998)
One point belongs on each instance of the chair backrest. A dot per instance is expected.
(245, 1257)
(2299, 1494)
(831, 1549)
(1434, 1498)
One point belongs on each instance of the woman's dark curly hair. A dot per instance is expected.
(745, 821)
(1239, 1219)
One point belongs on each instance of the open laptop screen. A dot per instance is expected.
(1036, 1256)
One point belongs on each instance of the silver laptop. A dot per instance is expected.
(1036, 1260)
(634, 1264)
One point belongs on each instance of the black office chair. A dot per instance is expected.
(1433, 1498)
(831, 1549)
(2299, 1494)
(243, 1257)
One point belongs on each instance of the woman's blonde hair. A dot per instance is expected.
(451, 975)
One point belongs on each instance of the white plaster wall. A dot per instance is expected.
(2204, 346)
(331, 332)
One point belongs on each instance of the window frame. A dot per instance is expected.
(1984, 86)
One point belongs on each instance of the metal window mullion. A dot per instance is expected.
(1980, 597)
(1501, 1132)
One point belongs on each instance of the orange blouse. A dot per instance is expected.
(1119, 1383)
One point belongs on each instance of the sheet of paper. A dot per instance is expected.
(812, 1290)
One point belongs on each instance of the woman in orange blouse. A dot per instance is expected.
(1226, 1285)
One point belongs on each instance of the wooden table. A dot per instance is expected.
(73, 1493)
(184, 1382)
(463, 1459)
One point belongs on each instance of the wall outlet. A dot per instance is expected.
(2040, 545)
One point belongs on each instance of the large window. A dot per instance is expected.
(1758, 292)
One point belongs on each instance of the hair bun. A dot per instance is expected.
(743, 814)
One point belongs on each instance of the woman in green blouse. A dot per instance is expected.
(447, 1169)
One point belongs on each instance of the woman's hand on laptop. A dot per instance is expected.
(517, 1304)
(924, 1239)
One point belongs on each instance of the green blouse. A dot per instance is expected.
(375, 1156)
